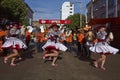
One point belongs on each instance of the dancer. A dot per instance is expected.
(102, 47)
(53, 45)
(13, 43)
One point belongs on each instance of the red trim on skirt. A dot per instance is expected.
(16, 47)
(49, 48)
(108, 53)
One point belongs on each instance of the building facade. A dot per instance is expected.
(107, 10)
(89, 12)
(103, 9)
(29, 14)
(67, 10)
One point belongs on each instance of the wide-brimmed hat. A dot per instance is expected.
(101, 26)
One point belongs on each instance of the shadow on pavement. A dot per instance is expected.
(27, 54)
(47, 59)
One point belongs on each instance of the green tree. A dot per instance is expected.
(13, 9)
(75, 21)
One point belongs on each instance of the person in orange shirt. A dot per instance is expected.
(1, 41)
(28, 37)
(1, 50)
(3, 34)
(39, 40)
(6, 34)
(69, 40)
(80, 39)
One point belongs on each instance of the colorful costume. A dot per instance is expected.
(53, 42)
(13, 42)
(102, 46)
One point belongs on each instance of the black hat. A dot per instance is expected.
(101, 26)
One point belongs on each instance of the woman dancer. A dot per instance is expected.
(102, 47)
(13, 43)
(53, 45)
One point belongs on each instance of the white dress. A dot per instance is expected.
(53, 42)
(14, 42)
(103, 48)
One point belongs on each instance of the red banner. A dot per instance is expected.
(42, 21)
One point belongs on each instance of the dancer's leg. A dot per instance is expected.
(15, 53)
(103, 61)
(12, 61)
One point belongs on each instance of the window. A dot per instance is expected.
(118, 1)
(118, 13)
(71, 4)
(111, 15)
(102, 15)
(111, 2)
(103, 3)
(71, 8)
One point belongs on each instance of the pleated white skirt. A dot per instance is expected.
(103, 48)
(53, 45)
(15, 43)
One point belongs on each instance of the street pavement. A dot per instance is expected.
(69, 67)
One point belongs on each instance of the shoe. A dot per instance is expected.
(12, 64)
(5, 60)
(95, 64)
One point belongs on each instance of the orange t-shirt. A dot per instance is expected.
(28, 35)
(2, 33)
(1, 45)
(69, 38)
(40, 36)
(80, 37)
(6, 32)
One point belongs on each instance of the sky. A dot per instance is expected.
(50, 9)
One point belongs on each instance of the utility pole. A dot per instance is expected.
(92, 8)
(106, 8)
(107, 12)
(116, 8)
(80, 14)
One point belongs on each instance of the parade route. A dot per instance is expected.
(63, 40)
(69, 67)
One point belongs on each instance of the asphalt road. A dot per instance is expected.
(70, 67)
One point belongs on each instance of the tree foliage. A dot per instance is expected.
(13, 9)
(75, 21)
